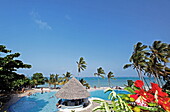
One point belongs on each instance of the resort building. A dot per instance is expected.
(73, 95)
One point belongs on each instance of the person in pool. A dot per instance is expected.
(41, 90)
(51, 97)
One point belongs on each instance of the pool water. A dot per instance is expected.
(104, 96)
(46, 102)
(38, 102)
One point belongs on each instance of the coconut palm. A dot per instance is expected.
(159, 52)
(47, 81)
(100, 73)
(56, 80)
(81, 65)
(158, 59)
(52, 79)
(84, 83)
(66, 77)
(138, 59)
(110, 76)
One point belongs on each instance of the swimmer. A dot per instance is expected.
(51, 97)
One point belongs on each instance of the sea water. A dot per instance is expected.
(100, 82)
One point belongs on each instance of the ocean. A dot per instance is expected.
(118, 81)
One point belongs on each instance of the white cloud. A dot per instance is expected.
(34, 14)
(42, 24)
(68, 17)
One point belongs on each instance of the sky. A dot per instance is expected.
(52, 35)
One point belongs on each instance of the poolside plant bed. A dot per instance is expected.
(140, 100)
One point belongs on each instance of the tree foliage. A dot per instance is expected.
(100, 73)
(9, 78)
(110, 76)
(81, 65)
(151, 61)
(38, 79)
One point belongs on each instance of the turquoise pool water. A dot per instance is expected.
(104, 96)
(36, 103)
(47, 102)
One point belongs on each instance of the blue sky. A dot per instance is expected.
(52, 35)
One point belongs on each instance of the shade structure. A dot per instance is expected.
(73, 89)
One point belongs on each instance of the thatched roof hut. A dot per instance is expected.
(73, 89)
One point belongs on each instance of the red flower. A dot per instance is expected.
(139, 83)
(148, 97)
(164, 103)
(135, 96)
(155, 87)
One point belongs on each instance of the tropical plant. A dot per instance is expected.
(81, 65)
(66, 77)
(153, 99)
(110, 76)
(84, 83)
(8, 67)
(117, 104)
(158, 59)
(56, 80)
(38, 79)
(47, 81)
(151, 62)
(138, 59)
(100, 72)
(21, 82)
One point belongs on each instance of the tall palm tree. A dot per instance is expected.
(100, 73)
(81, 65)
(56, 80)
(47, 81)
(138, 59)
(110, 76)
(84, 83)
(52, 79)
(66, 77)
(158, 59)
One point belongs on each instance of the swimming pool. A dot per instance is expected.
(38, 102)
(104, 96)
(47, 102)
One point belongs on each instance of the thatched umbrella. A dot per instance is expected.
(73, 89)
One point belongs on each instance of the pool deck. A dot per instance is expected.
(16, 97)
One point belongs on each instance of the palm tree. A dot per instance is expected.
(158, 59)
(81, 65)
(100, 73)
(52, 79)
(56, 80)
(138, 59)
(84, 83)
(66, 77)
(47, 81)
(110, 76)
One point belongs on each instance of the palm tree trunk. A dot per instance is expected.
(140, 76)
(109, 81)
(146, 83)
(98, 82)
